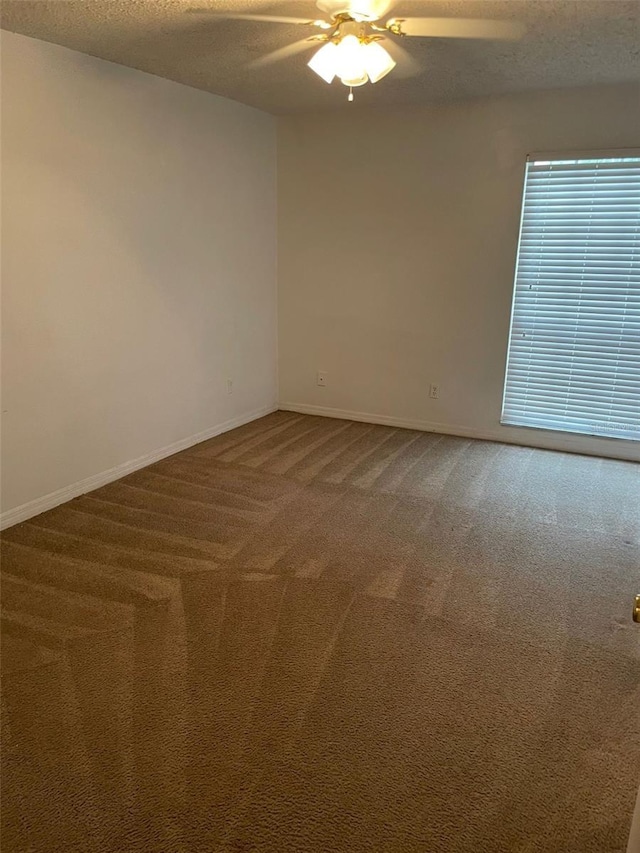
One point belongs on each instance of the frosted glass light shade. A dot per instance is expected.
(377, 61)
(323, 61)
(349, 61)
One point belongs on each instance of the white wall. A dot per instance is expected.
(138, 269)
(397, 241)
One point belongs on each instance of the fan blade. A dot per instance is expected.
(459, 28)
(266, 19)
(406, 65)
(285, 52)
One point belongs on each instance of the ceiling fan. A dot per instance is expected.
(351, 38)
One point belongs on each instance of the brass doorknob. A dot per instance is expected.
(636, 609)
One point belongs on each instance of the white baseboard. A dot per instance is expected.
(60, 496)
(567, 443)
(563, 442)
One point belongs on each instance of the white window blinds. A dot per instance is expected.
(574, 348)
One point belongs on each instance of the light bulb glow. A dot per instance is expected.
(349, 65)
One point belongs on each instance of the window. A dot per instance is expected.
(574, 346)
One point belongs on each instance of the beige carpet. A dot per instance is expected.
(316, 635)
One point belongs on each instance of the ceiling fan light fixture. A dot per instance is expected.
(323, 61)
(353, 60)
(377, 61)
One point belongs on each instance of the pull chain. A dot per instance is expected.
(350, 98)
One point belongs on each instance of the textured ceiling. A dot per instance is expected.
(568, 43)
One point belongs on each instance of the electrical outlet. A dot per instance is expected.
(322, 379)
(434, 391)
(229, 386)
